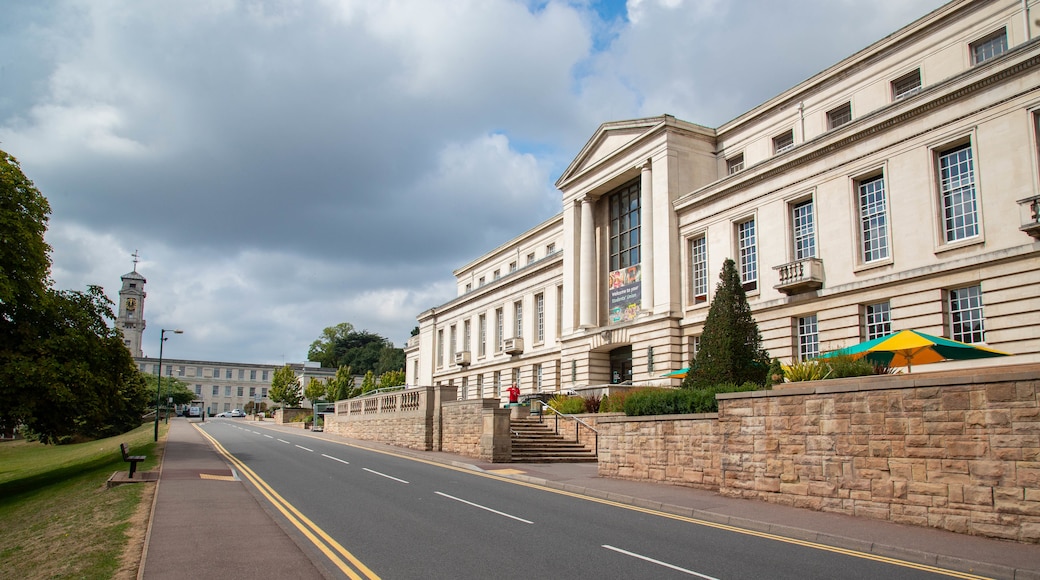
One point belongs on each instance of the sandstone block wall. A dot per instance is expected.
(415, 432)
(679, 449)
(958, 451)
(463, 425)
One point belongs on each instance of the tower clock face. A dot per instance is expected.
(131, 303)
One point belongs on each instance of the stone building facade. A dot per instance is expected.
(897, 189)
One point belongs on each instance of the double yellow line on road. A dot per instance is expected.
(336, 553)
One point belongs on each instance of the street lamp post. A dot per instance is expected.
(158, 386)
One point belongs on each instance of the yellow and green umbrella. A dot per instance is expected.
(910, 347)
(681, 373)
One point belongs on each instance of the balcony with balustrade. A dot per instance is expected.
(800, 276)
(1029, 209)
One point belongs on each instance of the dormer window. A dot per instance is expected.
(989, 47)
(735, 164)
(783, 142)
(906, 85)
(839, 116)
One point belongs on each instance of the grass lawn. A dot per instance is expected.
(59, 520)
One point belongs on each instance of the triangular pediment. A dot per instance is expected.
(608, 140)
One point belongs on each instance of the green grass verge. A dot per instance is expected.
(59, 518)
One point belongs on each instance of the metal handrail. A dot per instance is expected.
(577, 422)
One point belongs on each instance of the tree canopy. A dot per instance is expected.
(731, 346)
(285, 387)
(362, 350)
(64, 373)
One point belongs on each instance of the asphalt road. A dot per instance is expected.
(400, 517)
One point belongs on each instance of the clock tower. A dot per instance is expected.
(131, 310)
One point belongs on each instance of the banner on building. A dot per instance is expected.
(625, 293)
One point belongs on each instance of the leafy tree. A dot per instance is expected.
(323, 350)
(285, 387)
(342, 385)
(391, 379)
(731, 346)
(317, 390)
(390, 359)
(71, 378)
(363, 351)
(24, 255)
(172, 387)
(64, 373)
(368, 384)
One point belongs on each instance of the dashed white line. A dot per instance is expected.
(305, 449)
(477, 505)
(268, 436)
(659, 563)
(284, 441)
(384, 475)
(336, 459)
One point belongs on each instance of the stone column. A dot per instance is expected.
(587, 270)
(646, 236)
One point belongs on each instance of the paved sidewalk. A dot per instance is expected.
(205, 523)
(981, 556)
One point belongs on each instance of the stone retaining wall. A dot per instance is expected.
(477, 428)
(955, 450)
(679, 449)
(286, 416)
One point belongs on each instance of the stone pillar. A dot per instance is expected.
(587, 307)
(646, 236)
(496, 444)
(441, 395)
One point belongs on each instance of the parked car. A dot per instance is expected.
(236, 413)
(224, 414)
(194, 412)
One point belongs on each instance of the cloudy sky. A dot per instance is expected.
(286, 165)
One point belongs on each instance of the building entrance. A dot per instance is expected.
(621, 365)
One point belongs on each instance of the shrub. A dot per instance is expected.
(680, 401)
(591, 403)
(614, 403)
(567, 404)
(846, 366)
(806, 370)
(731, 345)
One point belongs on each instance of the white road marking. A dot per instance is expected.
(477, 505)
(284, 441)
(305, 449)
(268, 436)
(384, 475)
(659, 563)
(257, 432)
(336, 459)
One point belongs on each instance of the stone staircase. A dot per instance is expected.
(535, 442)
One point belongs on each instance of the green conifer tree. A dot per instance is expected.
(731, 346)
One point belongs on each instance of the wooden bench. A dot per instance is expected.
(133, 460)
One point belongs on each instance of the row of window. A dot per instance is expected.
(478, 387)
(982, 50)
(550, 249)
(958, 204)
(184, 371)
(963, 307)
(239, 391)
(517, 327)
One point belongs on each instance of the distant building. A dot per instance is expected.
(222, 386)
(899, 188)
